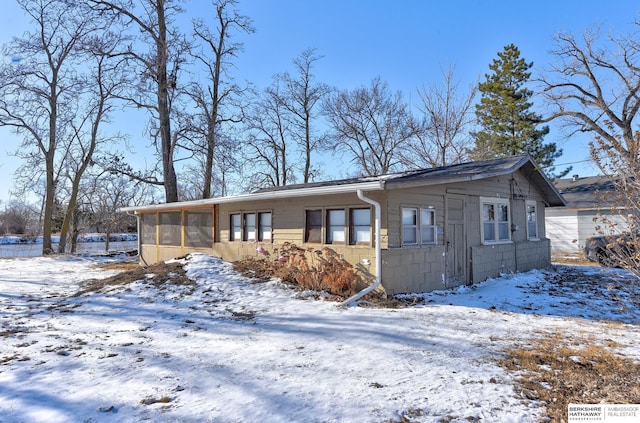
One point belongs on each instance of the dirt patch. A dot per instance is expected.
(577, 259)
(158, 275)
(557, 371)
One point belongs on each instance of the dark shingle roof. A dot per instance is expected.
(591, 192)
(460, 172)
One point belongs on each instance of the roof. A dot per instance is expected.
(462, 172)
(586, 192)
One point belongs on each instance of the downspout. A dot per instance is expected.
(138, 225)
(378, 281)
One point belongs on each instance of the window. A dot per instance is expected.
(428, 226)
(149, 228)
(336, 226)
(409, 226)
(418, 226)
(360, 226)
(249, 228)
(170, 230)
(532, 220)
(264, 226)
(253, 226)
(496, 224)
(235, 234)
(198, 229)
(313, 227)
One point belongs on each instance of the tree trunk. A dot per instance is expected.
(170, 180)
(49, 205)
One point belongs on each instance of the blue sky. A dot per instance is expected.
(405, 42)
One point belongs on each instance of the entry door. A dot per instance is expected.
(455, 241)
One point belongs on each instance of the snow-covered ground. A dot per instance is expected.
(228, 350)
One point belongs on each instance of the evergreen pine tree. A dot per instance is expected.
(508, 126)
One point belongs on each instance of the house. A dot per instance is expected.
(589, 199)
(414, 231)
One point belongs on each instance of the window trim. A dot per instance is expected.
(246, 229)
(261, 226)
(433, 227)
(419, 226)
(533, 203)
(329, 226)
(352, 227)
(308, 228)
(415, 226)
(349, 228)
(496, 203)
(232, 227)
(242, 228)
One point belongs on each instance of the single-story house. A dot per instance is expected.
(589, 200)
(415, 231)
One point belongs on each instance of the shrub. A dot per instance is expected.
(308, 269)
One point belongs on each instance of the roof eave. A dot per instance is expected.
(261, 196)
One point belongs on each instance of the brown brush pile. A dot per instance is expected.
(308, 269)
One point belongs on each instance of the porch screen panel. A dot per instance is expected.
(148, 228)
(170, 229)
(198, 229)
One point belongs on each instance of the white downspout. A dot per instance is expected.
(370, 288)
(139, 226)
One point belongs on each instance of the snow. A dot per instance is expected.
(229, 350)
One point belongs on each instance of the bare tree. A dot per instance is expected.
(371, 125)
(158, 69)
(218, 89)
(269, 141)
(109, 194)
(594, 88)
(102, 87)
(37, 92)
(442, 137)
(299, 96)
(17, 218)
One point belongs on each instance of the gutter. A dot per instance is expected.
(258, 196)
(370, 288)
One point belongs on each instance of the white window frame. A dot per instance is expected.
(249, 226)
(497, 204)
(336, 232)
(426, 226)
(409, 226)
(360, 230)
(235, 229)
(535, 236)
(419, 225)
(265, 226)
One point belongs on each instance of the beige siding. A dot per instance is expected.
(404, 268)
